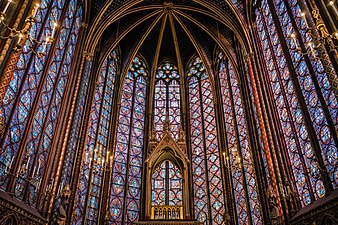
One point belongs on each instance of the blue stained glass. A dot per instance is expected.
(29, 78)
(205, 156)
(96, 143)
(125, 192)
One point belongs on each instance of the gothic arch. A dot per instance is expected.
(167, 149)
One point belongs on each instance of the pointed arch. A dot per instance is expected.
(167, 99)
(33, 101)
(208, 188)
(125, 190)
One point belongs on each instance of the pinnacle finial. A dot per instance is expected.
(168, 6)
(166, 127)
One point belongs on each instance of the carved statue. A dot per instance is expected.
(273, 209)
(61, 212)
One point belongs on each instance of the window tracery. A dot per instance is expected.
(32, 103)
(125, 192)
(167, 100)
(208, 187)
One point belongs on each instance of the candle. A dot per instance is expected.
(45, 45)
(20, 38)
(6, 7)
(10, 165)
(34, 171)
(54, 28)
(28, 160)
(304, 17)
(36, 8)
(311, 49)
(102, 162)
(38, 185)
(6, 167)
(293, 36)
(333, 7)
(38, 166)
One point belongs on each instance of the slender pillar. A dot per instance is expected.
(263, 130)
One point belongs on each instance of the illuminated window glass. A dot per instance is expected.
(240, 156)
(167, 100)
(167, 185)
(208, 187)
(34, 97)
(125, 193)
(90, 183)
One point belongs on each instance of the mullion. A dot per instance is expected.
(56, 81)
(92, 173)
(204, 149)
(126, 184)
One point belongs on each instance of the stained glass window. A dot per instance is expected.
(208, 187)
(34, 97)
(167, 99)
(90, 183)
(167, 185)
(302, 93)
(240, 157)
(316, 99)
(125, 193)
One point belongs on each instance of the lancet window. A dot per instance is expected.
(207, 180)
(32, 103)
(167, 99)
(167, 185)
(302, 94)
(96, 153)
(239, 158)
(125, 192)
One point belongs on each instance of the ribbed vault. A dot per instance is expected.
(174, 30)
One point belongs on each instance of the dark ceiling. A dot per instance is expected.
(185, 15)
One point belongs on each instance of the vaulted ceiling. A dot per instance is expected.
(175, 30)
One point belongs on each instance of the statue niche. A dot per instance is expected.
(166, 192)
(167, 172)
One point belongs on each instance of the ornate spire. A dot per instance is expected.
(166, 127)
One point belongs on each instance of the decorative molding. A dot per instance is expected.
(13, 209)
(323, 211)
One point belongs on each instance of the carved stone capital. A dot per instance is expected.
(89, 56)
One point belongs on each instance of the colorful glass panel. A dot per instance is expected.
(125, 193)
(299, 146)
(311, 94)
(240, 156)
(167, 185)
(33, 100)
(96, 154)
(167, 100)
(208, 187)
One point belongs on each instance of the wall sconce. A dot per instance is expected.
(226, 158)
(23, 34)
(324, 35)
(101, 162)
